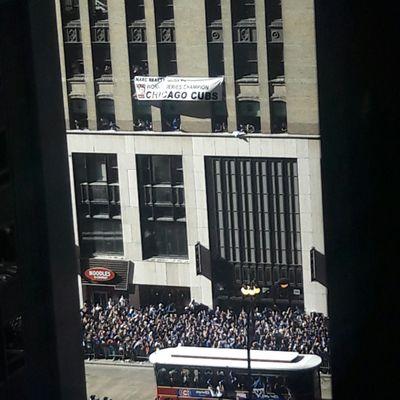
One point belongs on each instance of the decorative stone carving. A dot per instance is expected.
(215, 32)
(276, 31)
(100, 32)
(72, 32)
(137, 32)
(245, 31)
(166, 35)
(166, 32)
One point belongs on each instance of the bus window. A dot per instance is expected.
(162, 377)
(195, 378)
(174, 377)
(185, 377)
(209, 376)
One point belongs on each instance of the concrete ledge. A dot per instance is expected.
(223, 135)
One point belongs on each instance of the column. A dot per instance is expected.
(88, 63)
(120, 64)
(152, 55)
(192, 58)
(262, 67)
(229, 64)
(300, 66)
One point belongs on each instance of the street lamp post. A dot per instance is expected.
(249, 291)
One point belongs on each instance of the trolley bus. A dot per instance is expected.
(210, 373)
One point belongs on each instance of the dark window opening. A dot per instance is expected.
(248, 116)
(213, 11)
(98, 204)
(166, 50)
(162, 206)
(98, 10)
(246, 62)
(69, 10)
(219, 117)
(74, 67)
(174, 298)
(276, 66)
(170, 117)
(78, 113)
(105, 114)
(134, 11)
(273, 9)
(242, 10)
(138, 60)
(164, 10)
(102, 61)
(216, 59)
(142, 116)
(278, 116)
(167, 60)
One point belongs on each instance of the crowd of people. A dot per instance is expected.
(120, 330)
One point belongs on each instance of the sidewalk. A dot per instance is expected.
(120, 363)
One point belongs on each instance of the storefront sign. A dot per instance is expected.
(174, 88)
(99, 274)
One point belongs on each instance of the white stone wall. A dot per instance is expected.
(193, 148)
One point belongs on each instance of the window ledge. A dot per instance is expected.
(168, 260)
(193, 134)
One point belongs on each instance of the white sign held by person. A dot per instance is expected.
(174, 88)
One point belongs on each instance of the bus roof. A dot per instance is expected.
(235, 358)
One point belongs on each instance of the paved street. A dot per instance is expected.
(120, 382)
(136, 382)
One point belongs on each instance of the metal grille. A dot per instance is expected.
(254, 218)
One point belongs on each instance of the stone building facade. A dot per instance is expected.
(190, 200)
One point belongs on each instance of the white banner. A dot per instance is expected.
(174, 88)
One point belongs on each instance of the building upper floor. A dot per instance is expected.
(263, 49)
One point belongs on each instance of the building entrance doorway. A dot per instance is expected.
(175, 297)
(100, 297)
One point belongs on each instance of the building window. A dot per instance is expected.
(248, 116)
(164, 10)
(78, 113)
(254, 220)
(166, 48)
(244, 38)
(171, 119)
(97, 204)
(102, 61)
(276, 66)
(105, 114)
(242, 10)
(278, 116)
(98, 10)
(137, 38)
(246, 61)
(70, 10)
(142, 116)
(74, 61)
(162, 206)
(215, 39)
(167, 59)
